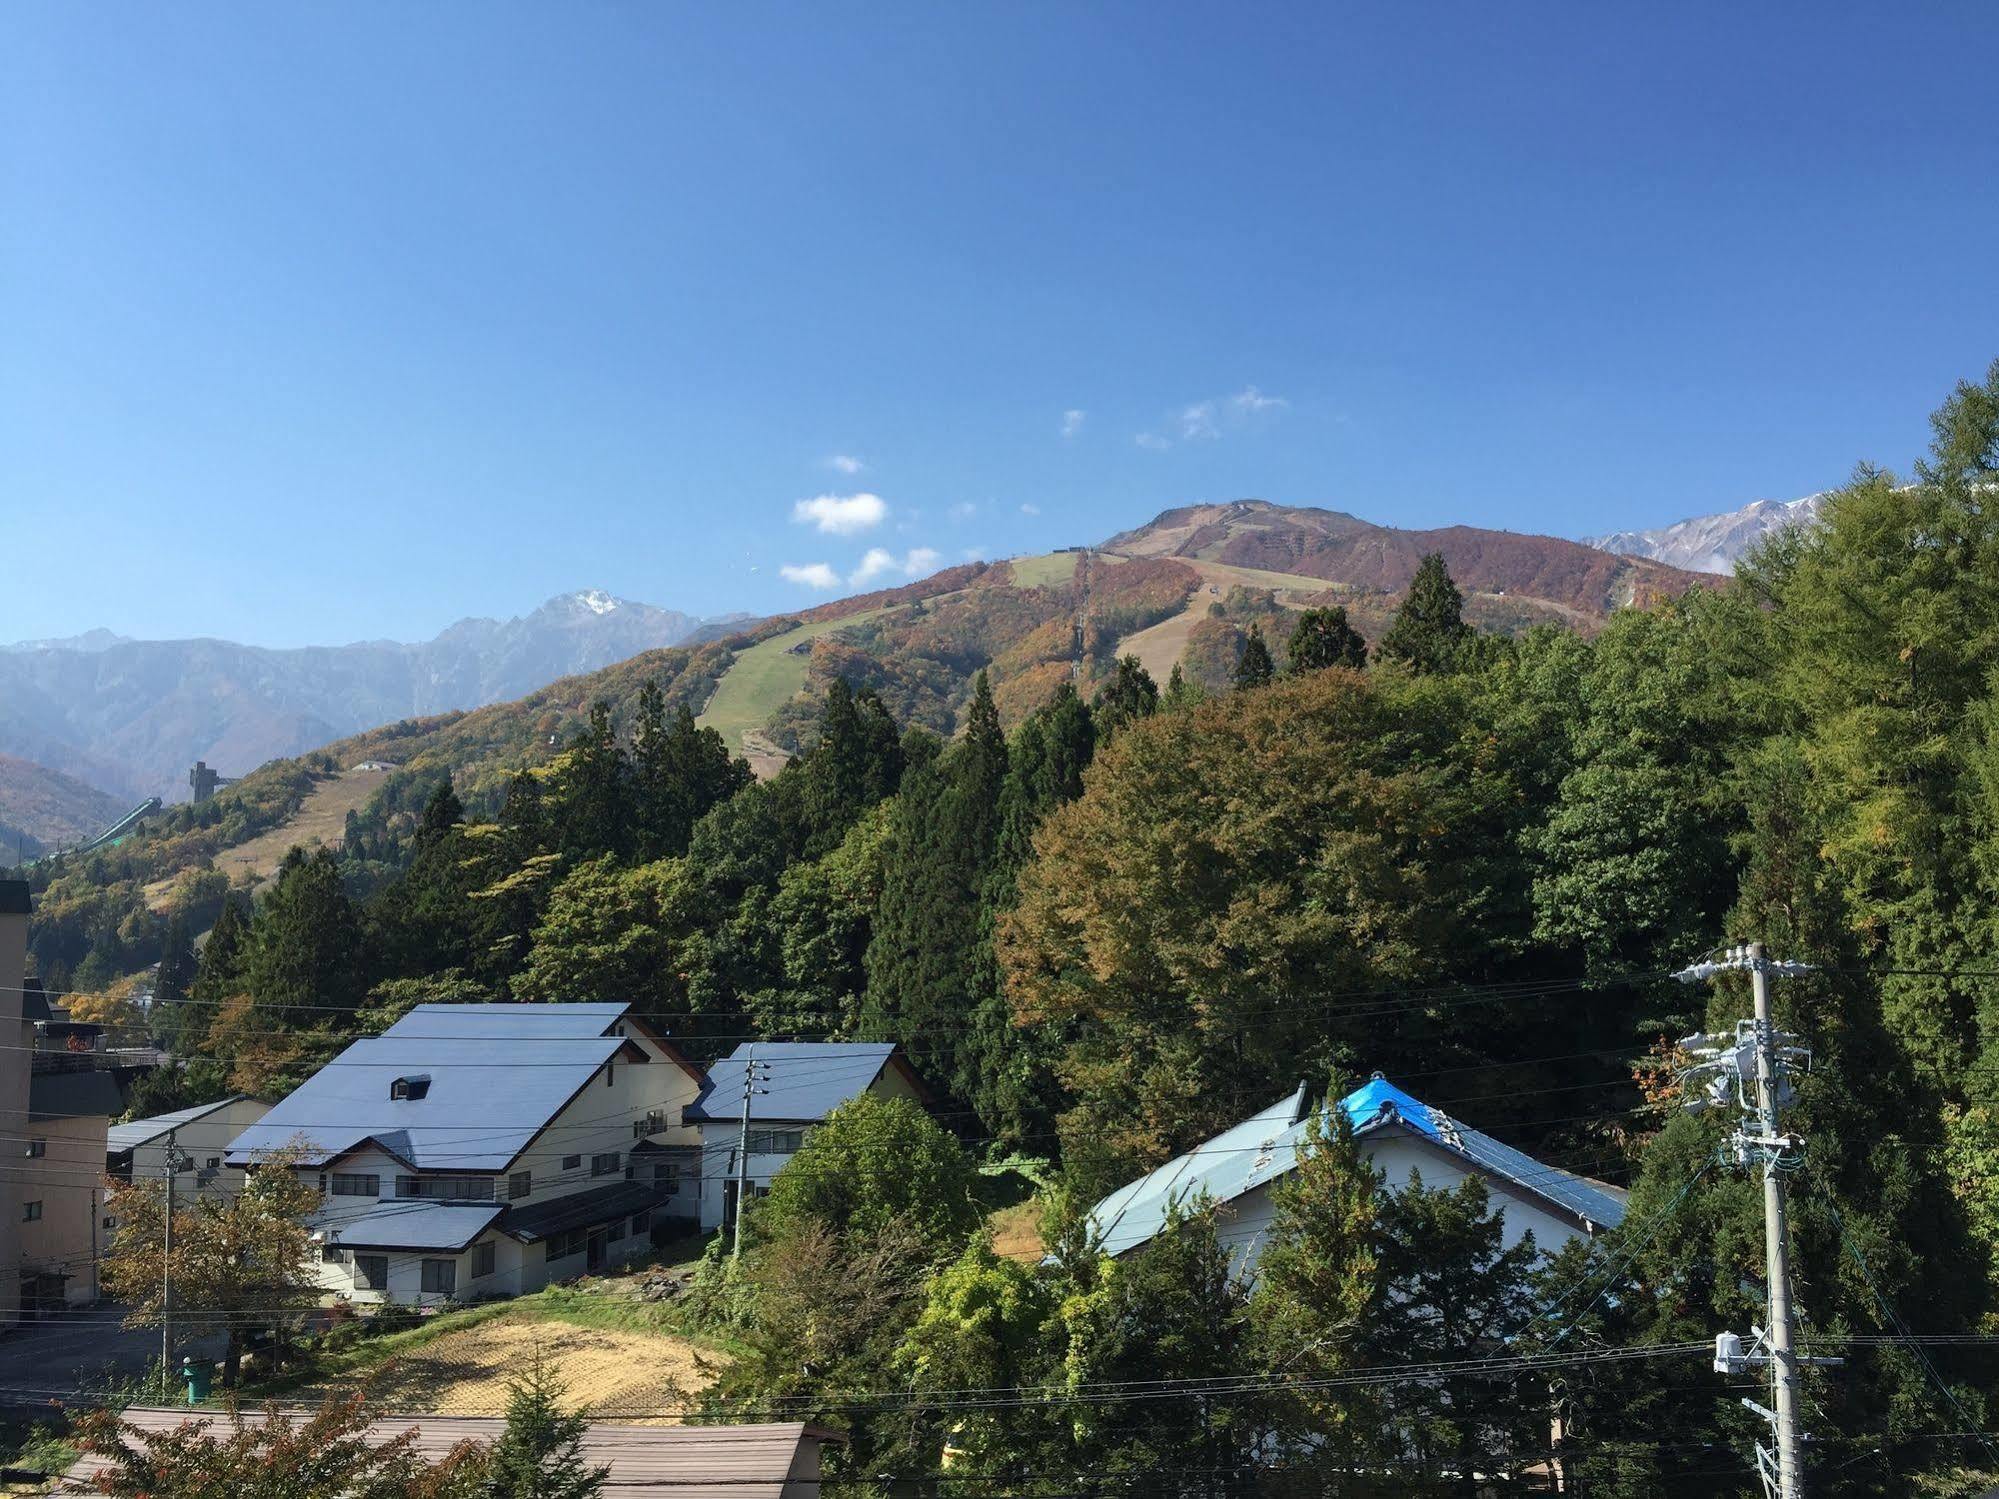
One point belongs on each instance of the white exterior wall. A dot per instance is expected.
(1244, 1224)
(67, 1180)
(719, 1141)
(205, 1140)
(598, 1120)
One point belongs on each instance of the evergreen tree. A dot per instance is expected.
(592, 806)
(1323, 638)
(540, 1454)
(441, 814)
(218, 973)
(1129, 695)
(1429, 629)
(926, 937)
(305, 963)
(1318, 1293)
(178, 966)
(1254, 668)
(856, 764)
(1180, 693)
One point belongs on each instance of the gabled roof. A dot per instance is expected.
(499, 1074)
(136, 1132)
(441, 1226)
(1266, 1146)
(805, 1080)
(534, 1221)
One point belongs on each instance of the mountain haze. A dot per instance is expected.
(130, 716)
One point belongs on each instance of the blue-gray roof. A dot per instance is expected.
(414, 1225)
(804, 1080)
(517, 1021)
(136, 1132)
(498, 1074)
(1266, 1146)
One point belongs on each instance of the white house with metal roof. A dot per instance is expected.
(200, 1136)
(797, 1084)
(486, 1150)
(1399, 1135)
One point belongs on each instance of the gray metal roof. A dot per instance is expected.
(445, 1226)
(136, 1132)
(533, 1221)
(498, 1074)
(515, 1021)
(805, 1080)
(646, 1462)
(1266, 1145)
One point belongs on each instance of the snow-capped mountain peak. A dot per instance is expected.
(595, 600)
(1712, 543)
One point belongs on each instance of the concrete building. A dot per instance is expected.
(799, 1084)
(486, 1150)
(14, 1123)
(1400, 1136)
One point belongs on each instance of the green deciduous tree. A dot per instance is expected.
(1323, 638)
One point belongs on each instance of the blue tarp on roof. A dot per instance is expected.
(1266, 1145)
(498, 1074)
(414, 1225)
(806, 1080)
(138, 1132)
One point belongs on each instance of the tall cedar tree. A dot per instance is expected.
(175, 980)
(1254, 668)
(1323, 638)
(856, 764)
(218, 972)
(306, 958)
(926, 937)
(592, 811)
(1128, 696)
(1429, 629)
(678, 772)
(1003, 1072)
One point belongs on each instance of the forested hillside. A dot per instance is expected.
(1467, 861)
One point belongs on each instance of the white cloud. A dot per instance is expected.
(810, 574)
(1030, 508)
(1198, 420)
(1205, 421)
(973, 554)
(841, 515)
(877, 561)
(1249, 400)
(964, 510)
(845, 463)
(1072, 421)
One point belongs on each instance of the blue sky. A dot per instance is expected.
(337, 322)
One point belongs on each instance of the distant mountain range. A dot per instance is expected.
(129, 717)
(42, 809)
(1713, 543)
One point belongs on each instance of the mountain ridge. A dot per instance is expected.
(1712, 543)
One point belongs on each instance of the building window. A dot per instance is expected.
(31, 1212)
(519, 1185)
(322, 1184)
(371, 1272)
(610, 1073)
(331, 1255)
(642, 1223)
(605, 1163)
(482, 1259)
(109, 1224)
(214, 1163)
(354, 1184)
(776, 1141)
(667, 1174)
(446, 1188)
(562, 1246)
(412, 1087)
(571, 1162)
(37, 1149)
(616, 1231)
(440, 1276)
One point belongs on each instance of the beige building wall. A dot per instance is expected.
(60, 1212)
(15, 1041)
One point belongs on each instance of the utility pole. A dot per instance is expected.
(166, 1264)
(1759, 1053)
(752, 1074)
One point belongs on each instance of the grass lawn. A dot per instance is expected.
(763, 679)
(1043, 572)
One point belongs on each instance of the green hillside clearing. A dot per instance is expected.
(764, 678)
(1049, 571)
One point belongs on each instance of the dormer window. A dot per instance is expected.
(414, 1086)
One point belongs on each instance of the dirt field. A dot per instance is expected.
(321, 820)
(624, 1376)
